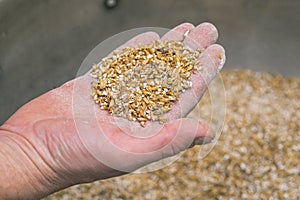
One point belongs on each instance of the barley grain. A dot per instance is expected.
(145, 79)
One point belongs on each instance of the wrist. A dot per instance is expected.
(24, 173)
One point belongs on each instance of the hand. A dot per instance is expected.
(70, 140)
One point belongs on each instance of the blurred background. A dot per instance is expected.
(42, 43)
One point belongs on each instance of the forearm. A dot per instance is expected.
(23, 173)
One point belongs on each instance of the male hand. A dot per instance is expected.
(65, 137)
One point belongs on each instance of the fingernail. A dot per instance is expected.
(203, 140)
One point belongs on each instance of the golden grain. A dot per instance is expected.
(144, 79)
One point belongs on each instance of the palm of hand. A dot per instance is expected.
(75, 137)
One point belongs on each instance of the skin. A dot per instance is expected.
(51, 143)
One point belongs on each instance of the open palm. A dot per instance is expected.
(75, 141)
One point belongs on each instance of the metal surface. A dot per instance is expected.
(42, 43)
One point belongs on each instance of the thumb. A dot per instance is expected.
(181, 134)
(126, 153)
(175, 137)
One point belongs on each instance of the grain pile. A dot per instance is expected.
(257, 156)
(140, 84)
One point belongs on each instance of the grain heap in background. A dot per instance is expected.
(256, 157)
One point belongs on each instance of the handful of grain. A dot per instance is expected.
(141, 83)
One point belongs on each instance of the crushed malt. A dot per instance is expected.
(141, 83)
